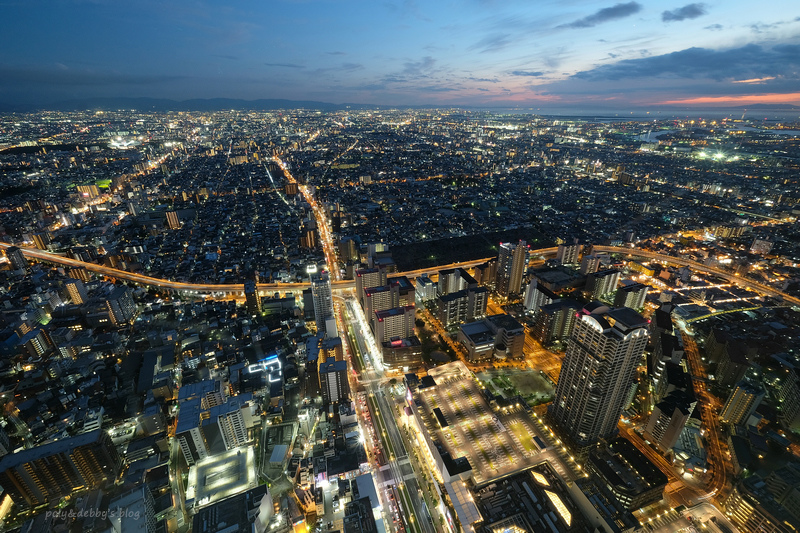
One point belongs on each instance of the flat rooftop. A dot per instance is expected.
(494, 443)
(221, 476)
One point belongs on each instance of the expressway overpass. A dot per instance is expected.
(237, 289)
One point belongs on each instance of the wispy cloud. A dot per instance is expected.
(689, 11)
(606, 14)
(492, 43)
(534, 73)
(756, 80)
(284, 65)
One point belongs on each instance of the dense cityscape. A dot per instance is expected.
(416, 320)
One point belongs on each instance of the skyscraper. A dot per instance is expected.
(597, 373)
(511, 263)
(323, 303)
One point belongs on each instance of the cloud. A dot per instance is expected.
(492, 43)
(746, 62)
(336, 53)
(418, 68)
(714, 27)
(535, 73)
(606, 14)
(689, 11)
(769, 98)
(284, 65)
(756, 80)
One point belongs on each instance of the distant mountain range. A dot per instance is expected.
(221, 104)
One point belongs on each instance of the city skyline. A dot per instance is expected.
(599, 55)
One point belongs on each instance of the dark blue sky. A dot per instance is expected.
(471, 52)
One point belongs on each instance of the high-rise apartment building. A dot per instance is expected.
(51, 471)
(742, 403)
(367, 278)
(396, 323)
(601, 283)
(380, 299)
(511, 263)
(589, 264)
(568, 254)
(536, 296)
(598, 370)
(76, 290)
(454, 280)
(425, 289)
(631, 295)
(462, 306)
(555, 321)
(323, 304)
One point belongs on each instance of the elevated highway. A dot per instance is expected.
(237, 289)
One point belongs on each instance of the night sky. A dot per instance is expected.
(472, 52)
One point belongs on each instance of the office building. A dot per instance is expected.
(359, 517)
(626, 474)
(496, 336)
(631, 295)
(597, 373)
(121, 307)
(49, 472)
(568, 254)
(742, 403)
(333, 380)
(600, 284)
(252, 299)
(16, 258)
(512, 260)
(323, 304)
(509, 335)
(536, 296)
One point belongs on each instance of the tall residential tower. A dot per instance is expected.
(598, 370)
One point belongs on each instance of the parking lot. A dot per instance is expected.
(496, 443)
